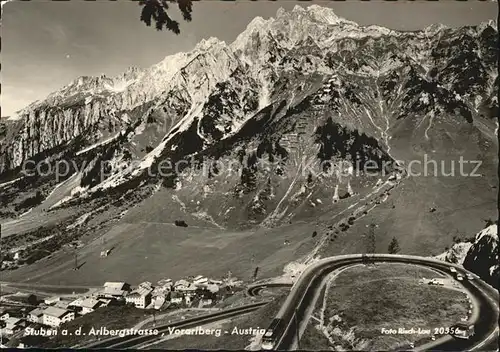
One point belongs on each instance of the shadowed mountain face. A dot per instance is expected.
(482, 257)
(260, 128)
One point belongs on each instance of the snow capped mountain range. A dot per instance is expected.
(366, 79)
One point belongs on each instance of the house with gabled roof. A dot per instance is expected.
(89, 305)
(140, 297)
(36, 316)
(54, 316)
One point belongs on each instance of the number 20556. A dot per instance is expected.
(443, 331)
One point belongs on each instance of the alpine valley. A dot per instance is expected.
(288, 104)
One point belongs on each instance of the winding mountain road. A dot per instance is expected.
(303, 292)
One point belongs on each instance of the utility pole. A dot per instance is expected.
(76, 260)
(371, 243)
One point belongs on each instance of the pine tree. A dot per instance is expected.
(157, 11)
(309, 178)
(394, 246)
(255, 273)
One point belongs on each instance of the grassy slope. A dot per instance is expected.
(147, 246)
(151, 251)
(388, 295)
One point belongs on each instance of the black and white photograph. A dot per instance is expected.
(249, 175)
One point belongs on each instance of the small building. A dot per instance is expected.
(145, 284)
(191, 290)
(114, 290)
(159, 301)
(176, 297)
(104, 302)
(89, 305)
(141, 297)
(62, 304)
(76, 303)
(54, 316)
(105, 253)
(181, 285)
(4, 315)
(165, 285)
(11, 313)
(23, 312)
(36, 316)
(26, 298)
(163, 282)
(52, 300)
(205, 302)
(214, 288)
(201, 281)
(188, 300)
(168, 286)
(13, 325)
(159, 292)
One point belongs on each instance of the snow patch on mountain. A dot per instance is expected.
(15, 117)
(4, 184)
(93, 146)
(119, 86)
(264, 95)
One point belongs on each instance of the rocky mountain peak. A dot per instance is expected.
(434, 28)
(482, 257)
(207, 44)
(493, 24)
(264, 59)
(323, 15)
(132, 72)
(292, 27)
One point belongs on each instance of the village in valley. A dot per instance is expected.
(24, 314)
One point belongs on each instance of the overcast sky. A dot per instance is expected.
(47, 44)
